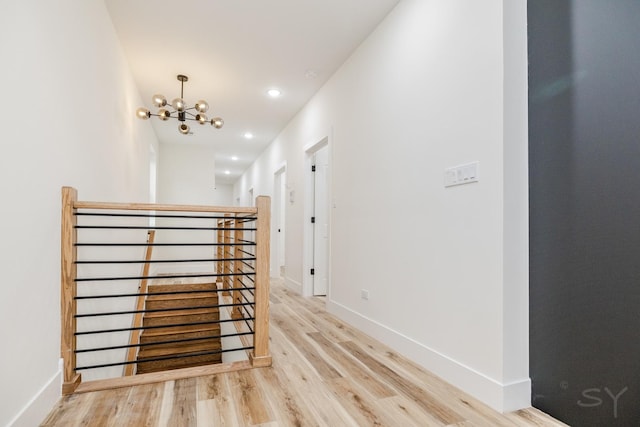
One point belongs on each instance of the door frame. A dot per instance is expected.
(279, 203)
(307, 278)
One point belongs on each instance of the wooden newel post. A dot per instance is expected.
(71, 380)
(261, 355)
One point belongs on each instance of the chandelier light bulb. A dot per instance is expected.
(202, 106)
(143, 113)
(217, 122)
(202, 118)
(183, 128)
(159, 100)
(163, 114)
(178, 104)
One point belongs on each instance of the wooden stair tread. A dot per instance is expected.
(204, 287)
(178, 349)
(168, 341)
(181, 330)
(172, 297)
(164, 303)
(174, 312)
(188, 362)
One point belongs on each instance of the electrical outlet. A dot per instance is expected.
(364, 294)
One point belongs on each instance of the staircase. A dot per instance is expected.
(185, 309)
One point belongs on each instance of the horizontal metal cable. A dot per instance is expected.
(157, 310)
(246, 263)
(151, 344)
(245, 287)
(244, 240)
(157, 293)
(150, 227)
(105, 331)
(246, 299)
(168, 276)
(244, 220)
(157, 359)
(163, 216)
(163, 260)
(246, 321)
(163, 244)
(248, 324)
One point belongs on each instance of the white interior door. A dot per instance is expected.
(321, 224)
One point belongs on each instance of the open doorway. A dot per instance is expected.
(279, 224)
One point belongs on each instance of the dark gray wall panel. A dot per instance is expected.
(584, 160)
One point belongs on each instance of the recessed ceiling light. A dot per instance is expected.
(234, 158)
(227, 172)
(248, 135)
(274, 93)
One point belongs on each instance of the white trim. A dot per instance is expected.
(280, 168)
(501, 397)
(276, 213)
(307, 258)
(41, 404)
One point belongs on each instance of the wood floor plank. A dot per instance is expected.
(305, 346)
(313, 391)
(325, 373)
(355, 370)
(359, 407)
(143, 406)
(214, 389)
(405, 412)
(70, 410)
(251, 405)
(421, 396)
(183, 413)
(290, 409)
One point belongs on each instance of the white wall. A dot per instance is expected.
(438, 84)
(67, 119)
(186, 174)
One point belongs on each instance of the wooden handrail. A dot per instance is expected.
(134, 340)
(163, 208)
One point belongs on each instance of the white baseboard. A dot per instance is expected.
(293, 285)
(41, 404)
(501, 397)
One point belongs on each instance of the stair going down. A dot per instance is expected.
(197, 319)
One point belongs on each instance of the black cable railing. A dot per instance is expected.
(107, 245)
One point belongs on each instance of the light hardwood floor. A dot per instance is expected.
(324, 373)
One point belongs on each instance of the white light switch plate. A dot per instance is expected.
(463, 174)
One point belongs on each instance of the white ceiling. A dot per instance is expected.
(233, 51)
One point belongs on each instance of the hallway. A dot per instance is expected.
(324, 373)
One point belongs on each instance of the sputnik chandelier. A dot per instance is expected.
(180, 110)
